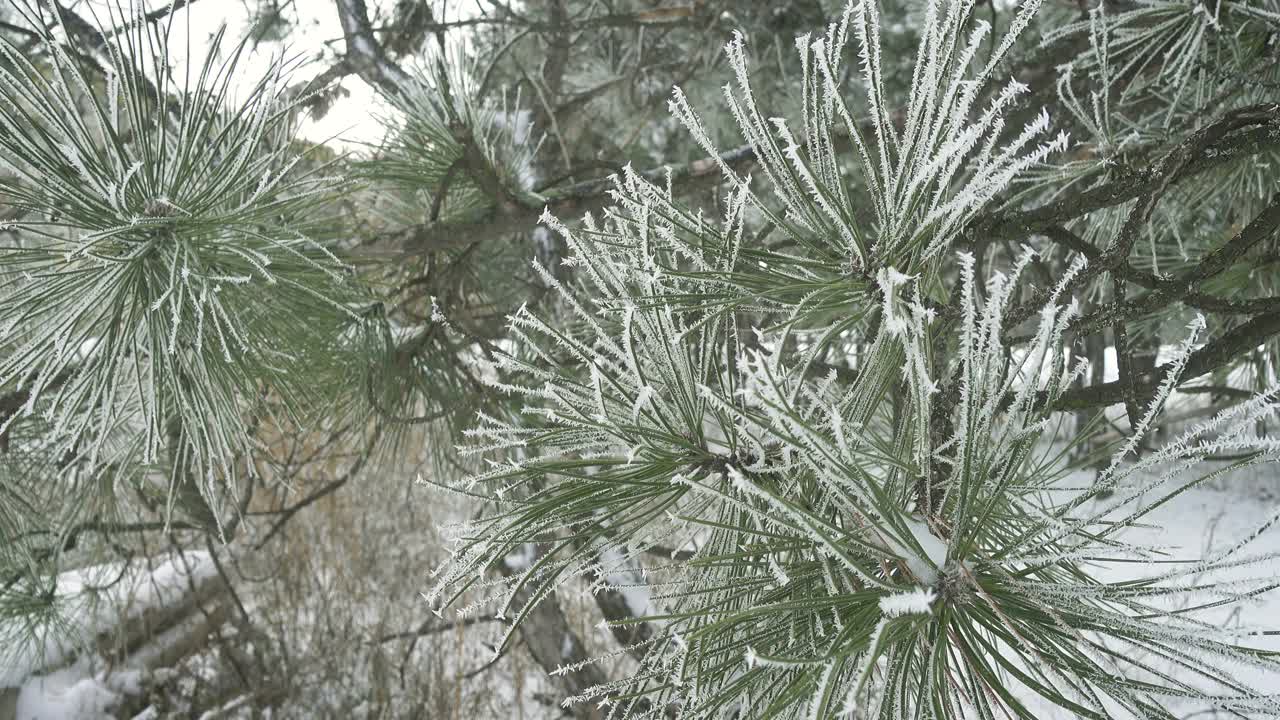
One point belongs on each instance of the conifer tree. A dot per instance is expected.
(797, 382)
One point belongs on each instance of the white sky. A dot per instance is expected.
(317, 34)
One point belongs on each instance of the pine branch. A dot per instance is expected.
(641, 402)
(1219, 353)
(433, 627)
(365, 54)
(523, 213)
(1230, 347)
(1166, 291)
(1128, 182)
(1148, 189)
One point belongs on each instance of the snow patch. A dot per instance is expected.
(627, 582)
(935, 552)
(889, 279)
(918, 601)
(88, 614)
(521, 559)
(75, 692)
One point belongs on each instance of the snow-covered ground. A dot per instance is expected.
(53, 679)
(1204, 520)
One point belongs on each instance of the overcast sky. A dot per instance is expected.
(316, 37)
